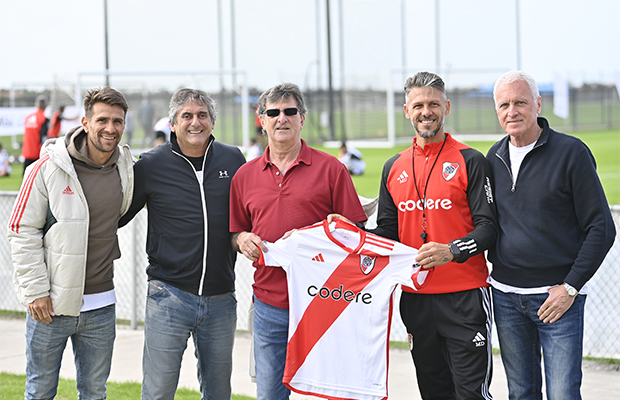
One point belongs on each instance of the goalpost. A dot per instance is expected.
(229, 87)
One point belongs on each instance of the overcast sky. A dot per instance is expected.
(276, 40)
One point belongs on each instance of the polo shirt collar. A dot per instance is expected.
(305, 156)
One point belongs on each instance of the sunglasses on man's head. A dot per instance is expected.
(274, 112)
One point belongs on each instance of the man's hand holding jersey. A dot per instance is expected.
(434, 254)
(430, 254)
(248, 244)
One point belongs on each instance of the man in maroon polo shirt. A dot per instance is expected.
(290, 186)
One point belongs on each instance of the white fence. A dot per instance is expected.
(602, 322)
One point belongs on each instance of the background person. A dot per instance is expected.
(146, 116)
(35, 130)
(160, 138)
(290, 186)
(254, 150)
(5, 162)
(163, 126)
(63, 241)
(57, 117)
(436, 196)
(555, 230)
(352, 158)
(185, 184)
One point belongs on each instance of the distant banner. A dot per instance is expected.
(560, 96)
(12, 120)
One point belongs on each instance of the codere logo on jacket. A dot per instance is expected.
(411, 205)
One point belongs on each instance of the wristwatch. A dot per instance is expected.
(454, 249)
(572, 292)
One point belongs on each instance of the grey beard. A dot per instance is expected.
(427, 134)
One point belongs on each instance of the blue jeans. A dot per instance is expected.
(522, 336)
(92, 335)
(172, 315)
(270, 339)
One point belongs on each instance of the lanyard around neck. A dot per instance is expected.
(424, 224)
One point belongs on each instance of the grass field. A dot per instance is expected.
(605, 145)
(12, 388)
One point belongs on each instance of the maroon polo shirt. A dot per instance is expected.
(264, 202)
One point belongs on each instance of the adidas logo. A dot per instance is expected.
(67, 191)
(479, 340)
(402, 178)
(319, 258)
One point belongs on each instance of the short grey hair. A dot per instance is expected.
(282, 91)
(516, 76)
(184, 96)
(424, 79)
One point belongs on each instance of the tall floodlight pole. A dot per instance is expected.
(437, 42)
(403, 40)
(329, 70)
(233, 42)
(105, 30)
(318, 44)
(342, 86)
(220, 34)
(518, 21)
(233, 49)
(220, 42)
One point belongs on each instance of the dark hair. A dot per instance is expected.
(184, 96)
(40, 102)
(282, 91)
(424, 79)
(107, 95)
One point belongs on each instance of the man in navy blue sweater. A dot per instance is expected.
(555, 230)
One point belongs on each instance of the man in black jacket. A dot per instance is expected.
(185, 184)
(555, 230)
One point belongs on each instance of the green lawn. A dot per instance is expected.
(605, 146)
(12, 388)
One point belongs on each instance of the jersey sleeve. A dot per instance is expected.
(281, 253)
(413, 275)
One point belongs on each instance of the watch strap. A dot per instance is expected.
(454, 249)
(572, 292)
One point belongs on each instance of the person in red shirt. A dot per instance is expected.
(436, 196)
(290, 186)
(57, 117)
(35, 130)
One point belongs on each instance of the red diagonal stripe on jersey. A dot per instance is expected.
(322, 313)
(24, 194)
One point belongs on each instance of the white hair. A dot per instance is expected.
(515, 76)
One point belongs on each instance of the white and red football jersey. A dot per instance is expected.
(340, 285)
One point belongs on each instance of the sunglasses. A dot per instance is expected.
(274, 112)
